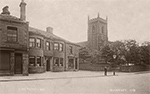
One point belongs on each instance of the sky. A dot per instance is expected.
(127, 19)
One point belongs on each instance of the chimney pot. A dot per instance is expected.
(49, 30)
(5, 10)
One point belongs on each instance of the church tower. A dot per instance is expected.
(97, 33)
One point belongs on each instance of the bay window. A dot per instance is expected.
(31, 60)
(56, 46)
(38, 43)
(47, 45)
(32, 42)
(60, 47)
(38, 61)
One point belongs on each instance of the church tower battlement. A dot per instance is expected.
(97, 33)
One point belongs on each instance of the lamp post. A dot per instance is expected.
(114, 56)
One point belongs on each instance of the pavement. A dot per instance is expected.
(64, 75)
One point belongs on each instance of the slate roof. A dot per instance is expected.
(83, 44)
(10, 17)
(34, 30)
(48, 35)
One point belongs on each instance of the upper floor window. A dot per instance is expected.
(32, 42)
(70, 49)
(56, 46)
(48, 45)
(60, 47)
(38, 43)
(11, 34)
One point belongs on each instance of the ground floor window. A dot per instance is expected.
(61, 61)
(32, 60)
(35, 61)
(56, 61)
(76, 63)
(71, 63)
(38, 61)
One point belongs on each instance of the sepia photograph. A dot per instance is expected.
(74, 47)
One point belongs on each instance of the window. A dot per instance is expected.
(38, 43)
(11, 34)
(76, 63)
(32, 61)
(47, 45)
(93, 29)
(38, 61)
(61, 61)
(102, 29)
(70, 49)
(60, 47)
(56, 61)
(56, 46)
(71, 63)
(32, 42)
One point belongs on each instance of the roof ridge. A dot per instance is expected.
(48, 35)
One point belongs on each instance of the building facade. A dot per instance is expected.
(13, 44)
(48, 52)
(24, 49)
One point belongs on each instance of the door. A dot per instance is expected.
(18, 63)
(48, 64)
(4, 61)
(71, 63)
(76, 63)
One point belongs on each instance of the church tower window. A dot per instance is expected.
(103, 30)
(93, 29)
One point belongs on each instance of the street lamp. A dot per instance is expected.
(114, 57)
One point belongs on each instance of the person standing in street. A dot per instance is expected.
(105, 71)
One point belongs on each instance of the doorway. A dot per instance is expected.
(71, 63)
(18, 63)
(76, 63)
(48, 63)
(4, 61)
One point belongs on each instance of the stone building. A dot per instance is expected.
(14, 47)
(48, 52)
(24, 49)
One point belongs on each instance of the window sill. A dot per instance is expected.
(12, 42)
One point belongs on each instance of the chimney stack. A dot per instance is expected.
(23, 10)
(5, 10)
(49, 30)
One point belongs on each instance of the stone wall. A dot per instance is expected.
(94, 66)
(134, 68)
(22, 38)
(20, 46)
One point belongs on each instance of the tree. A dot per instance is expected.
(107, 53)
(145, 53)
(84, 54)
(114, 53)
(118, 49)
(132, 53)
